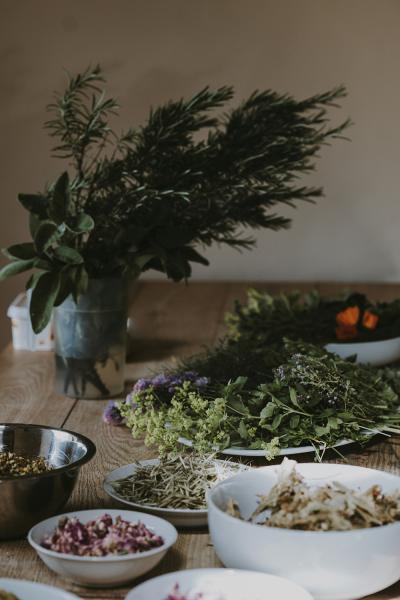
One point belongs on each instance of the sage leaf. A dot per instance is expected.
(60, 200)
(34, 222)
(46, 234)
(84, 222)
(35, 203)
(15, 267)
(43, 297)
(68, 255)
(24, 251)
(80, 279)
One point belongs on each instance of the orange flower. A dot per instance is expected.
(348, 317)
(346, 332)
(370, 320)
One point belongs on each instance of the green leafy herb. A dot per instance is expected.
(266, 320)
(310, 398)
(149, 198)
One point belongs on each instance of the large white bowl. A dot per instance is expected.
(382, 352)
(30, 590)
(233, 584)
(335, 565)
(104, 571)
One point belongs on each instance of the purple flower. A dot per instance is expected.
(129, 400)
(160, 380)
(189, 375)
(201, 381)
(112, 415)
(141, 385)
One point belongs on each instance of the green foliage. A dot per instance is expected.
(186, 178)
(266, 320)
(311, 397)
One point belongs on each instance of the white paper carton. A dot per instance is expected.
(23, 336)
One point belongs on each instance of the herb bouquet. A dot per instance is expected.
(147, 199)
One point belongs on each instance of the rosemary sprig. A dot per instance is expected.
(179, 482)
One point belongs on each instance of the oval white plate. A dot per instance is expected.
(378, 353)
(184, 517)
(29, 590)
(283, 452)
(232, 584)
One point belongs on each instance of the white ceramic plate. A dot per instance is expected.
(29, 590)
(283, 452)
(184, 517)
(381, 352)
(103, 571)
(231, 585)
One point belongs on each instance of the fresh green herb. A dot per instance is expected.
(266, 320)
(310, 397)
(147, 199)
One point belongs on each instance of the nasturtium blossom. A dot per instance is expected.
(348, 317)
(370, 320)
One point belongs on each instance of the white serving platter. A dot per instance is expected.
(248, 452)
(220, 584)
(184, 517)
(29, 590)
(378, 353)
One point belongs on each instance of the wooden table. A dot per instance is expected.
(171, 320)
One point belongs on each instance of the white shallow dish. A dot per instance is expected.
(184, 517)
(334, 565)
(381, 352)
(237, 451)
(233, 584)
(29, 590)
(104, 571)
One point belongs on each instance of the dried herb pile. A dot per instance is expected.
(179, 482)
(293, 504)
(14, 465)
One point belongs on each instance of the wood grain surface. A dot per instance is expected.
(170, 321)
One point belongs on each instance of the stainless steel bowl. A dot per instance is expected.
(26, 500)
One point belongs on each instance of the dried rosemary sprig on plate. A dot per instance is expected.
(178, 482)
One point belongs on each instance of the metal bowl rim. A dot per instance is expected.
(90, 452)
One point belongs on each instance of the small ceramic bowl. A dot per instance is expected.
(30, 590)
(382, 352)
(228, 583)
(103, 571)
(331, 565)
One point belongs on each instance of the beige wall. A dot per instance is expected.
(156, 49)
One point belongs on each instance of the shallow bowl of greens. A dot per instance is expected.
(331, 565)
(376, 353)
